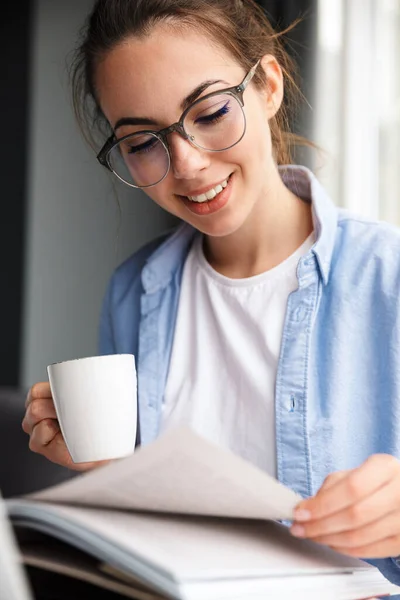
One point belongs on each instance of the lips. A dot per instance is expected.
(206, 194)
(210, 195)
(209, 207)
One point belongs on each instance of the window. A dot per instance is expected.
(357, 105)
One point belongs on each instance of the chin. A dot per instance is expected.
(220, 227)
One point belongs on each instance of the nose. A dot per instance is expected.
(186, 160)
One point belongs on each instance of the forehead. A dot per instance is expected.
(152, 75)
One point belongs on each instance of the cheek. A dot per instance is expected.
(163, 196)
(257, 138)
(254, 151)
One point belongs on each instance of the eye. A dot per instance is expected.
(141, 148)
(215, 116)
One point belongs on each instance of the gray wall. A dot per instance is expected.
(75, 235)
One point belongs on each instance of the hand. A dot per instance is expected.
(356, 512)
(40, 423)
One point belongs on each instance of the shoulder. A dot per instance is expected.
(366, 248)
(354, 227)
(361, 235)
(127, 276)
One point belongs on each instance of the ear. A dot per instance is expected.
(275, 87)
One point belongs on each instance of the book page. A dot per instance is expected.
(198, 557)
(181, 473)
(196, 548)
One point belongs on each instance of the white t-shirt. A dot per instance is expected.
(227, 341)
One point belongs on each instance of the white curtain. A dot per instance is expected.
(356, 105)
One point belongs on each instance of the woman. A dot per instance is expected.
(268, 321)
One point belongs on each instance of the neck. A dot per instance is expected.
(279, 223)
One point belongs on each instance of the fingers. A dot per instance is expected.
(356, 512)
(40, 420)
(301, 512)
(381, 549)
(372, 534)
(38, 410)
(47, 439)
(39, 390)
(356, 517)
(42, 434)
(346, 491)
(333, 478)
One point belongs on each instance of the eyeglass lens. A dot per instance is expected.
(215, 124)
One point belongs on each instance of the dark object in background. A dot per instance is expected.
(52, 586)
(22, 471)
(15, 49)
(301, 45)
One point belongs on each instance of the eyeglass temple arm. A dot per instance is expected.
(248, 77)
(102, 156)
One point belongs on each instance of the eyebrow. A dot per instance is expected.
(192, 97)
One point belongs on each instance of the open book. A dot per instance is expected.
(183, 518)
(13, 582)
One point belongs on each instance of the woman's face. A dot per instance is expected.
(150, 78)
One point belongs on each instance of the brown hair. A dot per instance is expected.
(239, 26)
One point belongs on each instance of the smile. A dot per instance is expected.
(211, 193)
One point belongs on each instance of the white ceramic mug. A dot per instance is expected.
(96, 404)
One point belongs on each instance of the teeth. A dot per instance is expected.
(210, 194)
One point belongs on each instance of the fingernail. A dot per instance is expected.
(297, 530)
(302, 515)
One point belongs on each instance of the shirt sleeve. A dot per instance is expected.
(390, 568)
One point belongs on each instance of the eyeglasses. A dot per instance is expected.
(215, 122)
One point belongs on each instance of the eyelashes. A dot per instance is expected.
(214, 117)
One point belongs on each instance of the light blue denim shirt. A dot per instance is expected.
(337, 395)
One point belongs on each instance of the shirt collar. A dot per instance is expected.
(302, 182)
(164, 263)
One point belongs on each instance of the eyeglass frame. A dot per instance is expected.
(236, 91)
